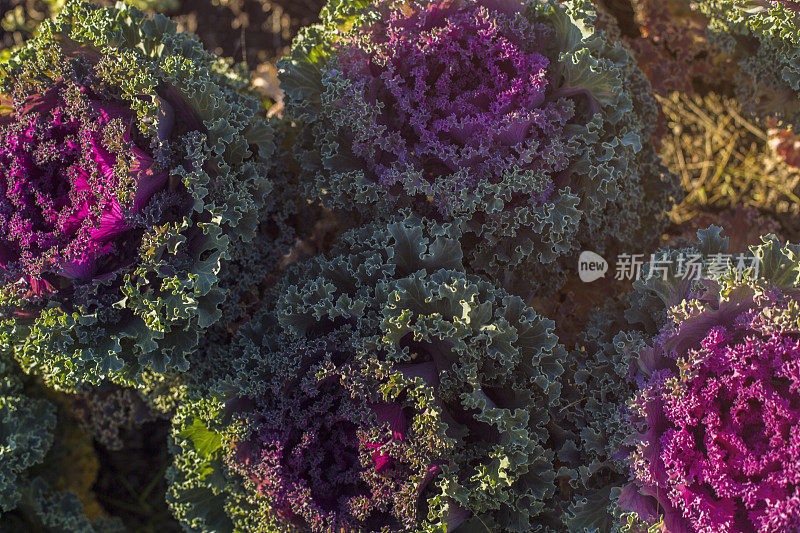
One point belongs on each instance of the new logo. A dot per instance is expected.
(591, 266)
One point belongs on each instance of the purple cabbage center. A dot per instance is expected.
(64, 200)
(313, 460)
(730, 447)
(464, 92)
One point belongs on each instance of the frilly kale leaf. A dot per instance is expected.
(27, 434)
(594, 420)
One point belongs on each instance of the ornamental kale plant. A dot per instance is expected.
(518, 121)
(31, 443)
(324, 457)
(133, 164)
(387, 390)
(308, 451)
(722, 442)
(713, 419)
(603, 421)
(765, 38)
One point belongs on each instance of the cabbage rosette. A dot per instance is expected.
(132, 163)
(764, 37)
(715, 442)
(387, 391)
(517, 121)
(681, 397)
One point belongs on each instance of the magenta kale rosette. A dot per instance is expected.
(461, 90)
(717, 412)
(132, 168)
(303, 441)
(728, 437)
(65, 210)
(386, 390)
(324, 459)
(519, 121)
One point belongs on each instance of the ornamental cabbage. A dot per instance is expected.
(32, 445)
(604, 431)
(133, 166)
(764, 36)
(388, 390)
(323, 456)
(517, 121)
(722, 444)
(714, 419)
